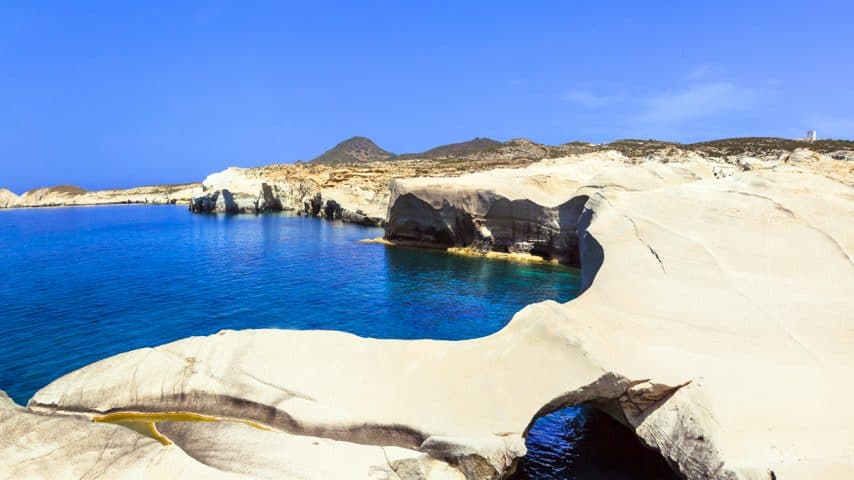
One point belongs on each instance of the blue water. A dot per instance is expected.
(81, 284)
(582, 443)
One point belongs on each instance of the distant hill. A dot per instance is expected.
(60, 189)
(362, 150)
(353, 150)
(738, 146)
(461, 149)
(633, 147)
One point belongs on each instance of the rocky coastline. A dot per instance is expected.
(69, 195)
(697, 330)
(238, 190)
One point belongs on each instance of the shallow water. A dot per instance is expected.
(81, 284)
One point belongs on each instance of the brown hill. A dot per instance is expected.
(62, 189)
(461, 149)
(353, 150)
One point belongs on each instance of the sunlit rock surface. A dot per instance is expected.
(243, 190)
(73, 447)
(68, 447)
(69, 195)
(532, 210)
(717, 325)
(7, 198)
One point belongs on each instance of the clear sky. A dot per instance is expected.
(116, 94)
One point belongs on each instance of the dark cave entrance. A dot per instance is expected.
(583, 443)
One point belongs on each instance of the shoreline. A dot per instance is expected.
(663, 335)
(87, 205)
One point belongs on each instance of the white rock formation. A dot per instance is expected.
(716, 324)
(71, 196)
(245, 190)
(528, 210)
(67, 447)
(7, 198)
(74, 447)
(237, 190)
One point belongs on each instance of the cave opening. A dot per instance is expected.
(582, 442)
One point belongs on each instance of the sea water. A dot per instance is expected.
(81, 284)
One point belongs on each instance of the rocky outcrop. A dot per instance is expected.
(49, 196)
(235, 191)
(534, 210)
(7, 198)
(68, 195)
(239, 190)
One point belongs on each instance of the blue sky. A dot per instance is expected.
(116, 94)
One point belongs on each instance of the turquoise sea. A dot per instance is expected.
(81, 284)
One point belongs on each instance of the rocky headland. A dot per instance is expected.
(351, 181)
(69, 195)
(715, 324)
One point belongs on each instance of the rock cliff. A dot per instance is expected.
(533, 210)
(351, 181)
(243, 190)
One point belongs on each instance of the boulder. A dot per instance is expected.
(332, 210)
(313, 205)
(360, 218)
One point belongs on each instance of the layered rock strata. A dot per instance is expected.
(716, 324)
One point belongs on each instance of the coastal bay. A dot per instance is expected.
(685, 328)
